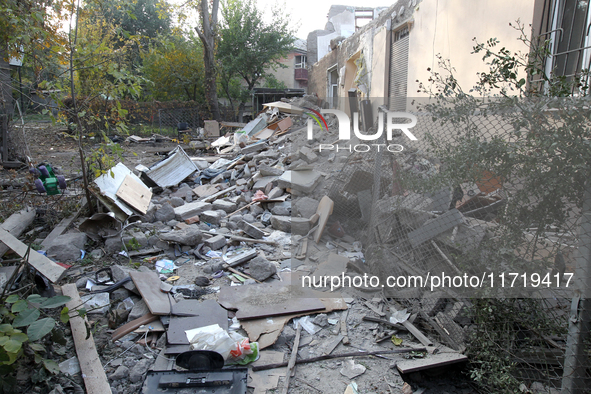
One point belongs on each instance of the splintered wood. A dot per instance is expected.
(95, 379)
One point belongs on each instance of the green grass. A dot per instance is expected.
(148, 130)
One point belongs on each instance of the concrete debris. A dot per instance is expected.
(250, 222)
(261, 269)
(190, 235)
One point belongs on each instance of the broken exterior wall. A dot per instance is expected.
(340, 25)
(447, 27)
(367, 49)
(435, 28)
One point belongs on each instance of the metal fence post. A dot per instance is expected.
(576, 361)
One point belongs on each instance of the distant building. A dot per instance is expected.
(295, 75)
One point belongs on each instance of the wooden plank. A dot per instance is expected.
(417, 334)
(266, 331)
(258, 301)
(324, 211)
(93, 373)
(52, 271)
(264, 134)
(16, 225)
(132, 325)
(148, 285)
(206, 313)
(433, 361)
(136, 194)
(294, 354)
(344, 327)
(341, 355)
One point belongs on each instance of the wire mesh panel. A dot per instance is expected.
(480, 225)
(171, 118)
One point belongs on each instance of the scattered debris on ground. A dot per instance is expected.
(202, 253)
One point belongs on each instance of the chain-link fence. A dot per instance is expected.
(169, 119)
(481, 227)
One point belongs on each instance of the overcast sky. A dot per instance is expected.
(312, 13)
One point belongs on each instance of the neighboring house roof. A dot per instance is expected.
(301, 45)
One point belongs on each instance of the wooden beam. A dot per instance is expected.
(95, 379)
(46, 267)
(290, 371)
(331, 356)
(133, 325)
(16, 225)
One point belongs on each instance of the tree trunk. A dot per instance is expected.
(6, 106)
(207, 34)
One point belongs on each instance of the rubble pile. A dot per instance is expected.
(208, 253)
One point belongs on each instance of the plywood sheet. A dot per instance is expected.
(209, 313)
(432, 361)
(148, 285)
(136, 194)
(264, 300)
(266, 331)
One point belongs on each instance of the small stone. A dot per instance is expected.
(321, 320)
(120, 373)
(81, 283)
(251, 230)
(281, 223)
(176, 202)
(212, 217)
(352, 370)
(266, 170)
(97, 254)
(172, 223)
(139, 309)
(235, 218)
(248, 218)
(305, 207)
(191, 236)
(139, 369)
(217, 242)
(261, 269)
(202, 281)
(165, 213)
(281, 209)
(67, 252)
(307, 155)
(224, 205)
(194, 219)
(275, 192)
(256, 210)
(189, 210)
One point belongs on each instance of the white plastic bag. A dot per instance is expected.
(211, 338)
